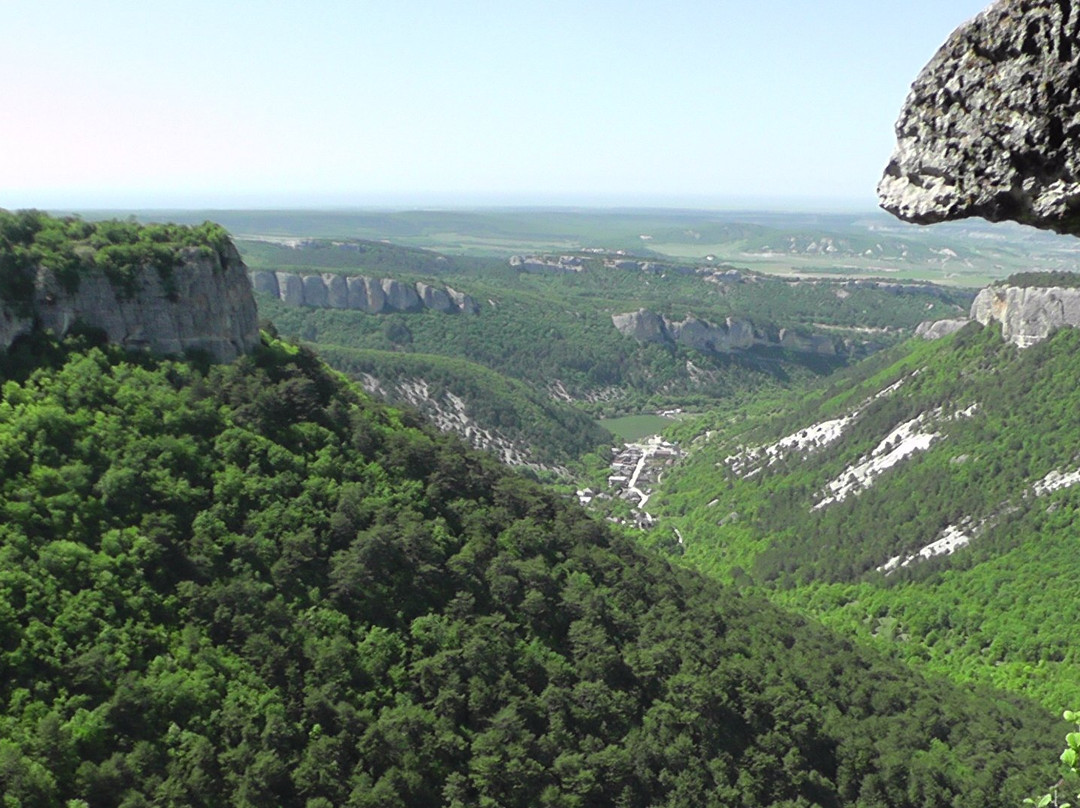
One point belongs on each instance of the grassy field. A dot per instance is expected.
(632, 428)
(855, 245)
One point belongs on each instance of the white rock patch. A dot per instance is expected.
(951, 540)
(904, 440)
(747, 462)
(1055, 481)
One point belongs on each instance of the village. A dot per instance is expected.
(635, 469)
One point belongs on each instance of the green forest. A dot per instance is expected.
(251, 585)
(549, 335)
(991, 611)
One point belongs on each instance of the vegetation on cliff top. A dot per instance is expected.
(1063, 279)
(69, 247)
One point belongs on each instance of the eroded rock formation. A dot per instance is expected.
(991, 127)
(1027, 314)
(207, 305)
(734, 335)
(936, 329)
(371, 295)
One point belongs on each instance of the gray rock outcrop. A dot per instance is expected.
(643, 325)
(355, 292)
(400, 296)
(991, 126)
(1027, 314)
(734, 335)
(315, 293)
(936, 329)
(207, 305)
(435, 298)
(337, 291)
(358, 298)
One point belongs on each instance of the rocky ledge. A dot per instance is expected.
(735, 334)
(206, 304)
(355, 292)
(991, 126)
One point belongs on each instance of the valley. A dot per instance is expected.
(796, 477)
(309, 503)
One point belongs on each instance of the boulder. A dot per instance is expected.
(991, 126)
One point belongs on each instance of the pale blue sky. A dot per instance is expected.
(139, 103)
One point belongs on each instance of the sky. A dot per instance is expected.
(412, 103)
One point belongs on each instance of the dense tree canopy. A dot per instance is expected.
(251, 586)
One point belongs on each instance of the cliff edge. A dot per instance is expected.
(161, 288)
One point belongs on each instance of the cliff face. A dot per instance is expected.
(734, 334)
(371, 295)
(1027, 315)
(207, 305)
(991, 127)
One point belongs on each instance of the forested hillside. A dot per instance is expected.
(925, 500)
(552, 329)
(522, 425)
(251, 585)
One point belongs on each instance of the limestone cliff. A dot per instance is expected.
(205, 302)
(936, 329)
(1027, 314)
(355, 292)
(734, 335)
(991, 126)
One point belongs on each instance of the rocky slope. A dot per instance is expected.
(990, 127)
(355, 292)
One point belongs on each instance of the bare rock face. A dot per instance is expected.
(736, 334)
(265, 283)
(208, 305)
(337, 291)
(355, 292)
(1027, 314)
(936, 329)
(358, 299)
(465, 304)
(290, 288)
(315, 293)
(643, 325)
(435, 298)
(991, 127)
(808, 343)
(400, 296)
